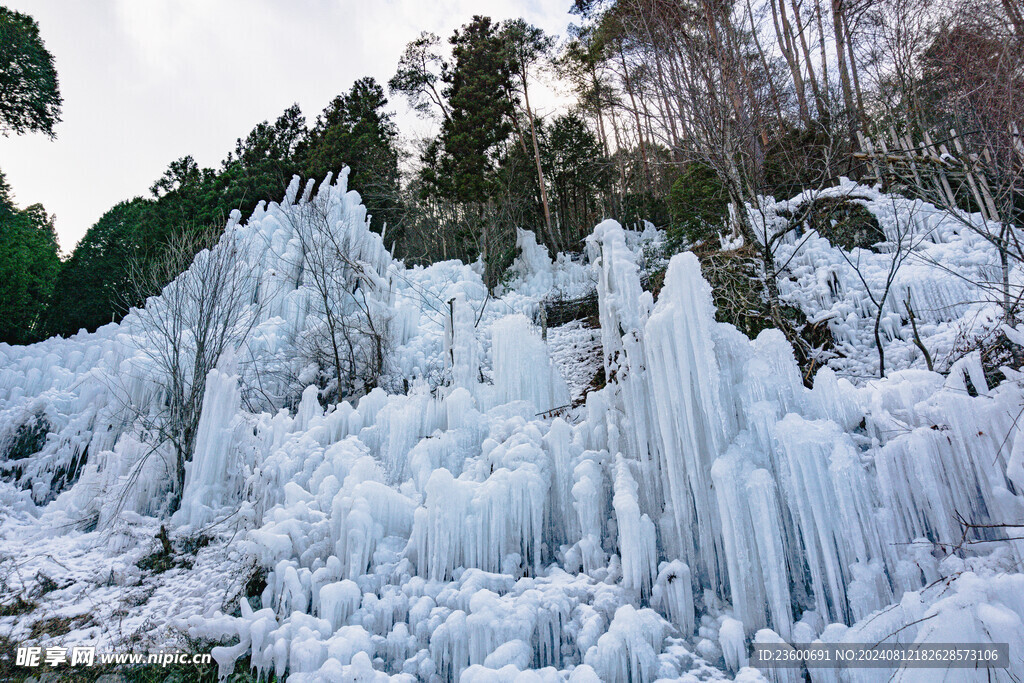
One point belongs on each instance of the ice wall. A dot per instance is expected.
(946, 279)
(781, 502)
(90, 390)
(464, 521)
(522, 370)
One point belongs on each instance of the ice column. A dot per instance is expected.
(522, 369)
(684, 371)
(207, 476)
(623, 307)
(637, 537)
(462, 349)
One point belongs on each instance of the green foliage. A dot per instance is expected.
(736, 290)
(30, 99)
(842, 221)
(519, 203)
(28, 266)
(260, 169)
(6, 199)
(736, 278)
(578, 172)
(354, 130)
(797, 159)
(644, 206)
(90, 286)
(698, 205)
(419, 74)
(463, 165)
(467, 166)
(525, 45)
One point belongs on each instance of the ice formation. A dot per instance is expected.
(474, 517)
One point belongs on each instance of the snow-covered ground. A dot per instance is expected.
(458, 523)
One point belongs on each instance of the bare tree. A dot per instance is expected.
(206, 305)
(900, 246)
(975, 70)
(354, 324)
(529, 47)
(964, 151)
(893, 66)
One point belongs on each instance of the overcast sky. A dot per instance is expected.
(148, 81)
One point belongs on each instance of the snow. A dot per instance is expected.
(484, 513)
(576, 351)
(948, 278)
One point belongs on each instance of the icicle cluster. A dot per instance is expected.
(471, 519)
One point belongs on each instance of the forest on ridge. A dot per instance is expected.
(676, 110)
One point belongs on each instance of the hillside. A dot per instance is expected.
(635, 496)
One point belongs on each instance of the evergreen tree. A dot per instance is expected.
(480, 113)
(28, 265)
(419, 75)
(30, 99)
(461, 165)
(579, 174)
(527, 48)
(355, 131)
(181, 201)
(89, 290)
(261, 166)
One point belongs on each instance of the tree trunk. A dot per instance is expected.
(636, 115)
(1004, 266)
(337, 353)
(784, 34)
(861, 115)
(1014, 14)
(598, 109)
(489, 278)
(556, 242)
(752, 133)
(844, 73)
(819, 101)
(619, 164)
(878, 341)
(666, 102)
(821, 47)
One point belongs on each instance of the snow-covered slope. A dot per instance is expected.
(947, 273)
(460, 523)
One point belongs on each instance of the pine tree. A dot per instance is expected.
(30, 99)
(462, 164)
(355, 131)
(28, 265)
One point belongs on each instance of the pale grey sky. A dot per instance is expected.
(148, 81)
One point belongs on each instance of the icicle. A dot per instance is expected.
(691, 414)
(207, 478)
(673, 594)
(733, 643)
(589, 501)
(637, 537)
(522, 370)
(627, 651)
